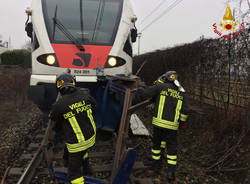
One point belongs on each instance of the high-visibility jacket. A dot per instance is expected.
(171, 108)
(73, 114)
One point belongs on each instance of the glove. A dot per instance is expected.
(183, 125)
(138, 96)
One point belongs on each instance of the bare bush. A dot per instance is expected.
(214, 70)
(14, 84)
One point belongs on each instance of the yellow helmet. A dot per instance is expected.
(65, 80)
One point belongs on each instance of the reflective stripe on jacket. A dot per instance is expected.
(73, 114)
(82, 143)
(170, 105)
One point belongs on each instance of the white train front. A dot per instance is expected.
(92, 38)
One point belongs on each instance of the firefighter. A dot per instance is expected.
(171, 112)
(73, 113)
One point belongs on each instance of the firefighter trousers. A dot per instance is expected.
(75, 166)
(165, 139)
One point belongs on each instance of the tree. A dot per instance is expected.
(1, 40)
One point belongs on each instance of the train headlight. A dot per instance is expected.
(112, 61)
(50, 59)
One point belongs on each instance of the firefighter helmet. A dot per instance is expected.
(65, 80)
(171, 76)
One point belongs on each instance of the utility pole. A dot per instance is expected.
(139, 40)
(229, 71)
(9, 43)
(229, 66)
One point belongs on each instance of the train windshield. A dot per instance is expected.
(86, 21)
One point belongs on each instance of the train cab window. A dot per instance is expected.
(35, 43)
(29, 29)
(88, 21)
(128, 48)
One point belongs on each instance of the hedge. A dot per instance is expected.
(16, 57)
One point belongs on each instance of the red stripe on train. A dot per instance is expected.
(67, 53)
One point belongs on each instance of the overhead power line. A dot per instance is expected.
(174, 4)
(154, 10)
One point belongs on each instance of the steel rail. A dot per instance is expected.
(5, 176)
(30, 170)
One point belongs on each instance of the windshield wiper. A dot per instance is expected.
(81, 19)
(97, 17)
(66, 32)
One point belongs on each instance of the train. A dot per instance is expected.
(91, 39)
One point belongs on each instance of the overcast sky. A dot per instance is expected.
(183, 23)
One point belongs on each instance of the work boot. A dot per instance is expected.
(150, 161)
(171, 176)
(87, 169)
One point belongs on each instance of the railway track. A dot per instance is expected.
(42, 161)
(24, 168)
(32, 166)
